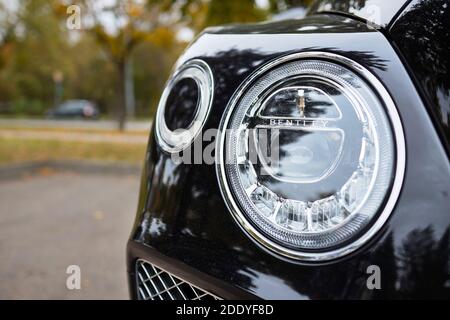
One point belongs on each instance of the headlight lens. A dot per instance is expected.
(310, 156)
(184, 106)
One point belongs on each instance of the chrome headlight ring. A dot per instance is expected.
(383, 186)
(176, 140)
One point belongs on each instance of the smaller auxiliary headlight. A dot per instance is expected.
(313, 158)
(184, 106)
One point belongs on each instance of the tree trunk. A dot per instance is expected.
(129, 88)
(121, 101)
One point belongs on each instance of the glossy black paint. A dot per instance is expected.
(377, 12)
(183, 222)
(422, 34)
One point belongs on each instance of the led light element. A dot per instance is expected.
(184, 106)
(329, 158)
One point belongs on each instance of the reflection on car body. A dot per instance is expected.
(193, 221)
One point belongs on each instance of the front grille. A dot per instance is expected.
(154, 283)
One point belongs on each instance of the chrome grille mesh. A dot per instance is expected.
(154, 283)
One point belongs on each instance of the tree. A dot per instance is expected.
(33, 47)
(35, 43)
(282, 5)
(242, 11)
(8, 23)
(137, 21)
(119, 28)
(205, 13)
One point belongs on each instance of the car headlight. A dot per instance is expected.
(184, 106)
(311, 156)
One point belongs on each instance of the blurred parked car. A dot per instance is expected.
(75, 109)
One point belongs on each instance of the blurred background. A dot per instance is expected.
(79, 84)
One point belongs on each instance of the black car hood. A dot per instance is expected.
(378, 12)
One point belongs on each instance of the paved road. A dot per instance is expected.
(97, 136)
(49, 221)
(98, 124)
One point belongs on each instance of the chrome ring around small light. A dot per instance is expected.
(179, 139)
(399, 169)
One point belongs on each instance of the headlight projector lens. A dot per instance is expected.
(311, 157)
(184, 106)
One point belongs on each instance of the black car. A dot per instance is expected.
(82, 109)
(302, 159)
